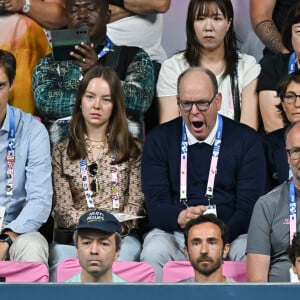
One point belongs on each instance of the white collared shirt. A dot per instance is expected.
(209, 140)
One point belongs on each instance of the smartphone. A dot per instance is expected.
(64, 41)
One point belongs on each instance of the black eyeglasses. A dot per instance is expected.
(202, 105)
(294, 153)
(290, 97)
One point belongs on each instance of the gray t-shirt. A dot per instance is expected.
(192, 280)
(269, 230)
(77, 278)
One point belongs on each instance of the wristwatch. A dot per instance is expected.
(26, 7)
(5, 238)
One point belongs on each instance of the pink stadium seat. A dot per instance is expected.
(128, 270)
(14, 271)
(174, 271)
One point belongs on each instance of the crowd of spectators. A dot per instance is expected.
(194, 156)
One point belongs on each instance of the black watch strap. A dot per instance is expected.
(5, 238)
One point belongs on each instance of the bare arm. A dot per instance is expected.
(249, 109)
(50, 14)
(168, 108)
(271, 117)
(261, 12)
(257, 267)
(141, 7)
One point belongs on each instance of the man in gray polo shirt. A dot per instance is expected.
(272, 222)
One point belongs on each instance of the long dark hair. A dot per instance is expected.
(192, 54)
(120, 141)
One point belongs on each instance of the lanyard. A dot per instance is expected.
(86, 183)
(213, 163)
(87, 189)
(292, 63)
(106, 48)
(293, 210)
(291, 69)
(10, 157)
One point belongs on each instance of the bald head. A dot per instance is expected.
(198, 72)
(199, 101)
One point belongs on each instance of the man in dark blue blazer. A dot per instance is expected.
(199, 163)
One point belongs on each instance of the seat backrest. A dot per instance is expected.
(14, 271)
(128, 270)
(174, 271)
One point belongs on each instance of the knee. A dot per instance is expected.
(59, 252)
(30, 247)
(130, 250)
(154, 249)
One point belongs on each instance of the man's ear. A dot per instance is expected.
(218, 99)
(294, 269)
(226, 250)
(108, 16)
(11, 87)
(117, 255)
(186, 252)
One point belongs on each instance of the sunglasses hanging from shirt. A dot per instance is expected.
(92, 189)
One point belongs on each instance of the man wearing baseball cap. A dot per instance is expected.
(98, 242)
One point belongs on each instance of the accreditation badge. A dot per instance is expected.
(211, 209)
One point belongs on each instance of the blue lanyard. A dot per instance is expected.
(106, 48)
(292, 64)
(292, 69)
(293, 210)
(213, 163)
(10, 158)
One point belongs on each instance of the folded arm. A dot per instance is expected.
(140, 7)
(50, 14)
(261, 18)
(139, 83)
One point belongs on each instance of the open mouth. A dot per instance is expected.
(197, 124)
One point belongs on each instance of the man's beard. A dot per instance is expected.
(213, 266)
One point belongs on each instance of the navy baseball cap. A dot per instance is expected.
(99, 220)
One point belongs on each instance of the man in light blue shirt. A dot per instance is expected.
(25, 176)
(98, 242)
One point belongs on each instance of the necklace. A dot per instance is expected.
(97, 141)
(94, 148)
